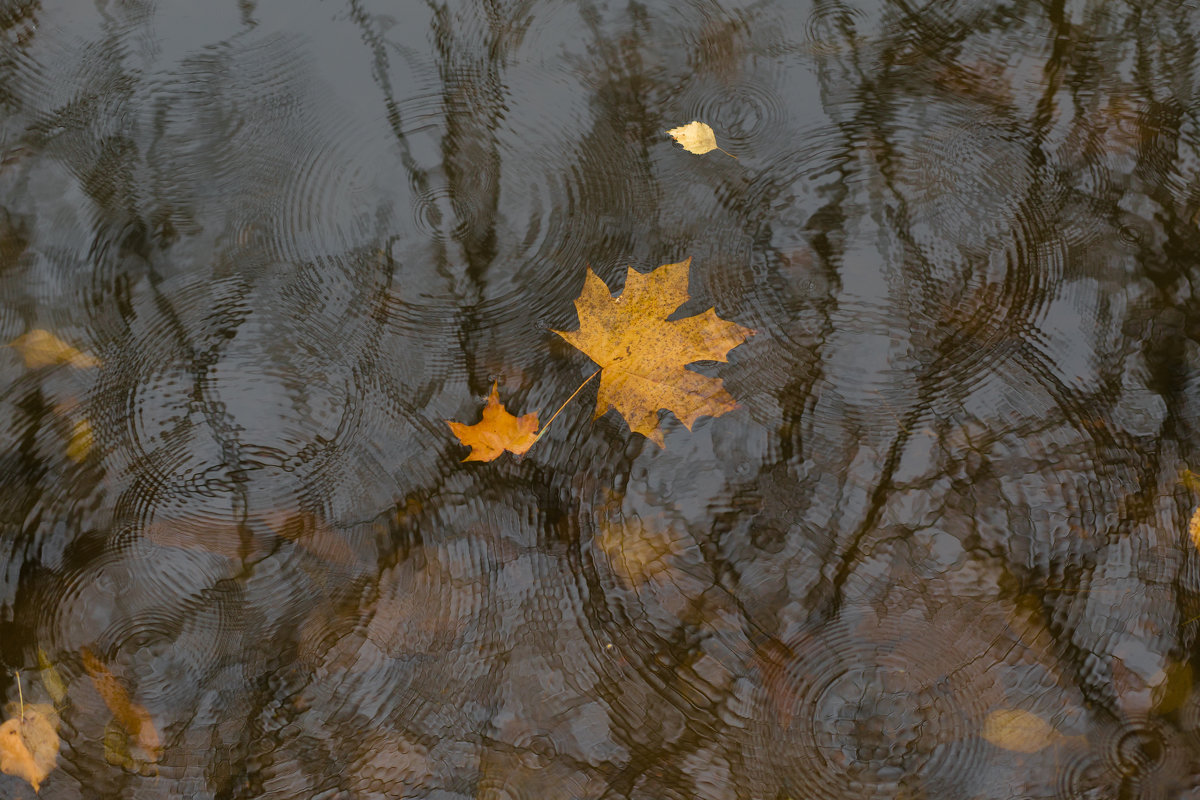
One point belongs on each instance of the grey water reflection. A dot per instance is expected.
(940, 551)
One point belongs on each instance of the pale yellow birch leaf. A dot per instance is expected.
(698, 138)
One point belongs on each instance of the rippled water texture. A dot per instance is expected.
(940, 550)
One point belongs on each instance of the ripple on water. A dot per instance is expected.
(1084, 774)
(967, 180)
(252, 123)
(156, 613)
(1146, 756)
(875, 707)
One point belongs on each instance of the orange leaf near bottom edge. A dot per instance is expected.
(497, 431)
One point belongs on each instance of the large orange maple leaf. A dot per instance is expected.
(643, 356)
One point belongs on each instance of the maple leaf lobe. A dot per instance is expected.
(497, 431)
(642, 355)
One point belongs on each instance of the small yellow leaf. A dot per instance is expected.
(496, 432)
(80, 443)
(696, 137)
(1017, 730)
(42, 349)
(29, 744)
(1194, 528)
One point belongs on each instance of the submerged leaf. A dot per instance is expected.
(129, 715)
(80, 442)
(496, 432)
(1194, 528)
(29, 744)
(1017, 730)
(637, 552)
(642, 355)
(50, 678)
(42, 349)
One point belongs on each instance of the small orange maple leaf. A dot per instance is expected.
(497, 431)
(643, 356)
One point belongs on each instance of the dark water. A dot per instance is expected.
(940, 551)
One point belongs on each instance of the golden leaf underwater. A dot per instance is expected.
(80, 442)
(497, 431)
(643, 355)
(1018, 731)
(43, 349)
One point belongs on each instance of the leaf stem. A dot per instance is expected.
(564, 405)
(726, 152)
(21, 695)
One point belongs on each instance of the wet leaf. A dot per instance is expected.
(80, 442)
(128, 714)
(307, 531)
(496, 432)
(642, 355)
(29, 744)
(42, 349)
(51, 679)
(1017, 730)
(637, 553)
(1194, 528)
(698, 138)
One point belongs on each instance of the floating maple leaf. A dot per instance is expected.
(496, 432)
(642, 355)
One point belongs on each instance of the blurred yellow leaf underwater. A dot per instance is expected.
(43, 349)
(1018, 731)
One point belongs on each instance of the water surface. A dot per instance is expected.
(298, 235)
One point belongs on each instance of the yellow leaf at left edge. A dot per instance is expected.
(1018, 731)
(696, 137)
(43, 349)
(496, 432)
(29, 744)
